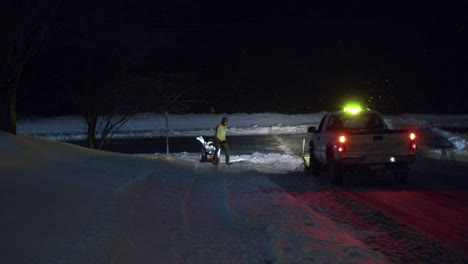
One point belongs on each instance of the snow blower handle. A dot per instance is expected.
(201, 139)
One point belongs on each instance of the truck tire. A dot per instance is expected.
(335, 170)
(314, 167)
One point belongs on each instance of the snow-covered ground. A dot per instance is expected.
(62, 203)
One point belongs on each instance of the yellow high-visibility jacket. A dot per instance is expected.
(221, 132)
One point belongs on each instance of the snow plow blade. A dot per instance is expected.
(306, 158)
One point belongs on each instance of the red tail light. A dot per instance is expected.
(412, 137)
(341, 144)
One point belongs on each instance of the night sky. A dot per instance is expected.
(258, 56)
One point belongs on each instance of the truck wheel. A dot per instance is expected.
(314, 167)
(335, 171)
(400, 173)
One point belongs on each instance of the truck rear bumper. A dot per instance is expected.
(376, 160)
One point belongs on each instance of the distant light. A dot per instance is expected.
(412, 136)
(392, 159)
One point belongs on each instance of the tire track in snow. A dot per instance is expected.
(205, 201)
(397, 241)
(211, 234)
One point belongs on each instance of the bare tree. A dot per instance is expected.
(104, 119)
(173, 93)
(108, 101)
(26, 25)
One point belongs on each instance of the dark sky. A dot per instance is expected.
(288, 56)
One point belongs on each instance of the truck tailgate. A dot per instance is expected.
(375, 142)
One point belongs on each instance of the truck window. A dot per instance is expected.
(373, 122)
(321, 123)
(359, 121)
(335, 122)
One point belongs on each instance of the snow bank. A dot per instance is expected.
(272, 163)
(57, 199)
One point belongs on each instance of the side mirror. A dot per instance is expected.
(312, 129)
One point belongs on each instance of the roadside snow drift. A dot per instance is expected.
(66, 204)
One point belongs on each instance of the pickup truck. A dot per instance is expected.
(355, 139)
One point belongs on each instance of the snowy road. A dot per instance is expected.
(231, 212)
(223, 216)
(434, 202)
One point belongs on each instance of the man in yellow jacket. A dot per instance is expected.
(220, 141)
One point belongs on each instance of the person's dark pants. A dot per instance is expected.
(220, 145)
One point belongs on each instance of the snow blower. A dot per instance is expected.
(208, 150)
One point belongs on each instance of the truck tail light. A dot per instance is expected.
(341, 144)
(342, 139)
(412, 137)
